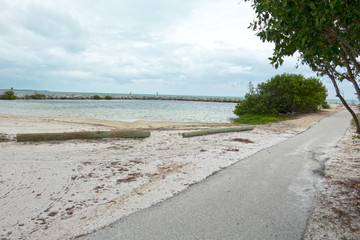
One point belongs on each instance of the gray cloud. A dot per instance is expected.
(54, 29)
(176, 47)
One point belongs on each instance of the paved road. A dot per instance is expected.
(269, 195)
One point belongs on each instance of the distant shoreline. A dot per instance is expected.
(50, 95)
(133, 97)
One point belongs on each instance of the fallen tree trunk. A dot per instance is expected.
(217, 130)
(81, 135)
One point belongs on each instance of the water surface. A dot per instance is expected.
(123, 110)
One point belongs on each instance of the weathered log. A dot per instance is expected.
(81, 135)
(217, 130)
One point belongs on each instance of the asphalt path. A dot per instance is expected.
(269, 195)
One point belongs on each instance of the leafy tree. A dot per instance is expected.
(326, 33)
(282, 94)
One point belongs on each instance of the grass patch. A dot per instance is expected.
(261, 119)
(356, 137)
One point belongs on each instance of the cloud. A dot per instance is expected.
(199, 47)
(53, 28)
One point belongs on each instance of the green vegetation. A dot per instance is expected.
(96, 97)
(8, 95)
(262, 119)
(357, 136)
(325, 105)
(324, 33)
(108, 97)
(36, 95)
(279, 98)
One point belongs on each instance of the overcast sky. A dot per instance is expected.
(186, 47)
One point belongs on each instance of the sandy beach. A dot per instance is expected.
(61, 190)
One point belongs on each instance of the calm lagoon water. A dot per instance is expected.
(123, 110)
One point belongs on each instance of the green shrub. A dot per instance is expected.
(107, 97)
(283, 94)
(325, 105)
(36, 95)
(96, 97)
(8, 95)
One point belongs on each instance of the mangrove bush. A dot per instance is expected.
(36, 95)
(281, 95)
(8, 95)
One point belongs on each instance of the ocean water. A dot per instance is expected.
(123, 110)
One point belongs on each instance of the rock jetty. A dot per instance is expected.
(138, 97)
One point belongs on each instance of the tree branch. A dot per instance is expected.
(333, 32)
(353, 59)
(338, 94)
(320, 70)
(348, 68)
(351, 77)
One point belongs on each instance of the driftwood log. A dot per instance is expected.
(81, 135)
(217, 130)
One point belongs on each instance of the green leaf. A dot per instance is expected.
(313, 29)
(312, 6)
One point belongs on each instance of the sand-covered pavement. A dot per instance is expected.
(337, 212)
(60, 190)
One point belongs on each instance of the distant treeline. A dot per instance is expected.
(127, 97)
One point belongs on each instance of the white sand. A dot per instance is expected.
(60, 190)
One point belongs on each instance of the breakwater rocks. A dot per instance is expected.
(137, 97)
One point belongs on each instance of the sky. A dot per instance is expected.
(176, 47)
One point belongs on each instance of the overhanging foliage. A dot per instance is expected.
(326, 33)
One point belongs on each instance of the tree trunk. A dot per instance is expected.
(356, 120)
